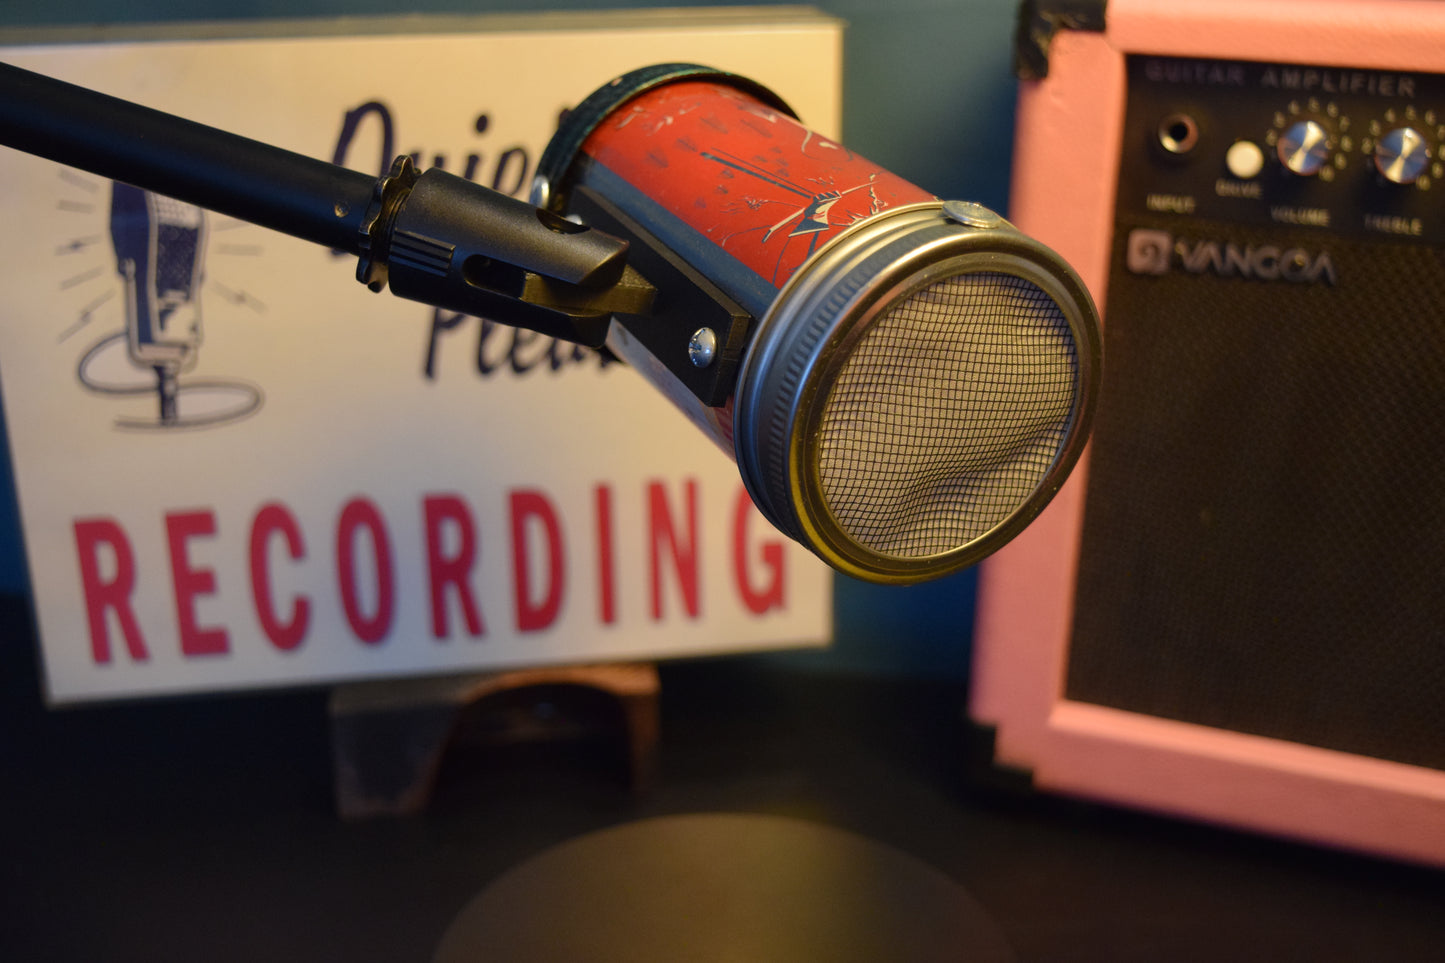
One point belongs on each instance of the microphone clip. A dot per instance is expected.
(445, 241)
(687, 305)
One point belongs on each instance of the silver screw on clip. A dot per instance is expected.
(702, 347)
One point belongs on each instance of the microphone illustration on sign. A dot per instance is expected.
(160, 252)
(904, 382)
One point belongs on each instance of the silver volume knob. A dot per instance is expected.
(1402, 155)
(1304, 147)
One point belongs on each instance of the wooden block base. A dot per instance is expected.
(389, 737)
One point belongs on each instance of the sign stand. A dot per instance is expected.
(388, 737)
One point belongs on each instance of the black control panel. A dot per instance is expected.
(1345, 151)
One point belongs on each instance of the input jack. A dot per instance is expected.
(1178, 133)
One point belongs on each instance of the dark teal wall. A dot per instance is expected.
(927, 93)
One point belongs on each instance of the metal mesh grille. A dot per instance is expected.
(178, 231)
(948, 414)
(177, 213)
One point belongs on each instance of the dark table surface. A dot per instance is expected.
(204, 828)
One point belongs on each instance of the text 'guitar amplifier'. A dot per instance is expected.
(1235, 611)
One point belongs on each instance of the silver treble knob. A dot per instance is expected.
(1402, 155)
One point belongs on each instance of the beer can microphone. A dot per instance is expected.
(903, 382)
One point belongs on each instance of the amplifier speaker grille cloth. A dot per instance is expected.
(1264, 537)
(919, 455)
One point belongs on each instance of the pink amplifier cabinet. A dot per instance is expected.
(1235, 611)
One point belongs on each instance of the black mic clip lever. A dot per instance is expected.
(445, 241)
(687, 305)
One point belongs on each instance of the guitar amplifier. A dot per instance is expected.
(1235, 610)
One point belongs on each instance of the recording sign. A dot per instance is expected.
(238, 468)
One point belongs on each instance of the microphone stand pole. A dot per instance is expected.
(432, 236)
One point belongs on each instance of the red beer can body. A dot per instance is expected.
(747, 177)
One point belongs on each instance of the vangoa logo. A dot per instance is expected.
(1158, 252)
(1148, 252)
